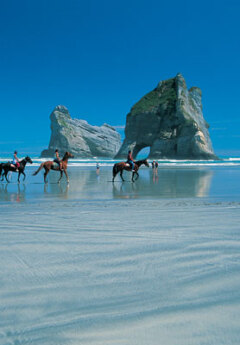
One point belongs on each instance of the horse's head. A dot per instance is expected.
(28, 159)
(145, 162)
(67, 156)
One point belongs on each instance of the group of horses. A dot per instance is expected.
(5, 168)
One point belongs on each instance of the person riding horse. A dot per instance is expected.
(49, 165)
(16, 161)
(130, 160)
(6, 167)
(57, 160)
(121, 166)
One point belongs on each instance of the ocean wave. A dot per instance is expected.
(78, 162)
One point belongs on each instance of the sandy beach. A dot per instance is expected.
(154, 262)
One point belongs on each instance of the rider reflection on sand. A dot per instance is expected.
(97, 168)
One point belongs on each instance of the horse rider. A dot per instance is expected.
(130, 160)
(57, 160)
(16, 160)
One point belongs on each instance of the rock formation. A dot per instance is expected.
(169, 120)
(80, 138)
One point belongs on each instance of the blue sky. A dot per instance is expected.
(100, 57)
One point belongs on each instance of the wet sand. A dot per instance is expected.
(154, 262)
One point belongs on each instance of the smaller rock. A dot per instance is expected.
(80, 138)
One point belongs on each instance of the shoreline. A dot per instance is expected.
(168, 182)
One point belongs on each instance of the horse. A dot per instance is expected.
(119, 167)
(6, 167)
(51, 165)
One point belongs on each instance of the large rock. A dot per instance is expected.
(170, 121)
(80, 138)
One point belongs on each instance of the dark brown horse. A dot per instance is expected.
(1, 168)
(6, 167)
(119, 167)
(50, 165)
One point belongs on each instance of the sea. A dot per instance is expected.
(154, 262)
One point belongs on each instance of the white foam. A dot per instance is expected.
(162, 162)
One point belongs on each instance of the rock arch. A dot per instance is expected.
(169, 119)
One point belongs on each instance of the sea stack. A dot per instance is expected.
(170, 121)
(79, 137)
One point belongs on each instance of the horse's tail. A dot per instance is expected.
(37, 171)
(115, 170)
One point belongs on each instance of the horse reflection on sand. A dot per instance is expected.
(16, 193)
(56, 189)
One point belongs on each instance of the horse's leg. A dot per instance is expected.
(24, 175)
(137, 175)
(61, 173)
(121, 174)
(45, 175)
(19, 173)
(5, 174)
(66, 174)
(133, 176)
